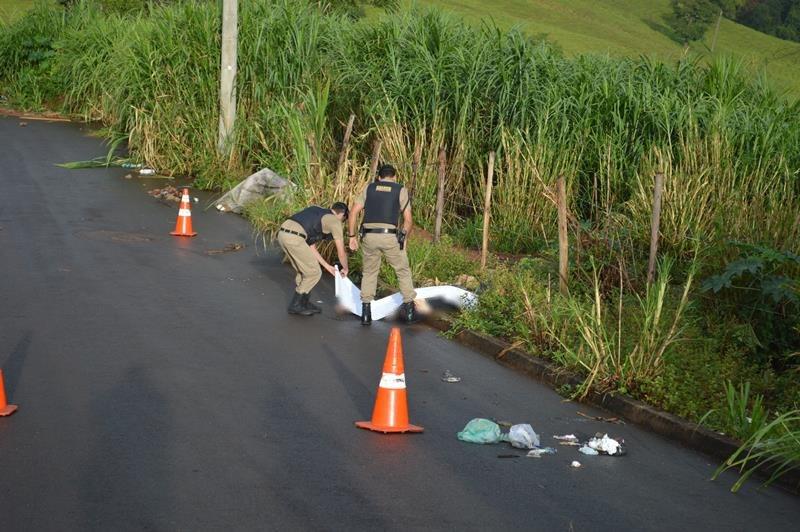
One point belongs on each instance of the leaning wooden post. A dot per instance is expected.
(346, 142)
(440, 195)
(654, 226)
(487, 204)
(415, 162)
(563, 238)
(376, 155)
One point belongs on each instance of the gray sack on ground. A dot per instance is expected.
(261, 184)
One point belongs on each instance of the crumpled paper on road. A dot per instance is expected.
(349, 297)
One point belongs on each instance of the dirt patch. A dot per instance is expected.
(229, 248)
(168, 193)
(46, 117)
(114, 236)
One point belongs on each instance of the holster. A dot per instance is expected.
(401, 239)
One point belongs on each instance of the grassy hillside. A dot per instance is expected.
(631, 28)
(10, 9)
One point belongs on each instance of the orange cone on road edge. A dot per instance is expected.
(183, 226)
(391, 405)
(5, 408)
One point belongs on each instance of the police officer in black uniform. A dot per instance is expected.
(298, 237)
(384, 202)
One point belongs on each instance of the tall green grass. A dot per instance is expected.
(728, 145)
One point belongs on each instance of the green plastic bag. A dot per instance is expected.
(480, 430)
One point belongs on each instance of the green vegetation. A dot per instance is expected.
(13, 9)
(775, 445)
(690, 19)
(776, 17)
(727, 144)
(631, 28)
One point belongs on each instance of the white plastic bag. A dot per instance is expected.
(523, 437)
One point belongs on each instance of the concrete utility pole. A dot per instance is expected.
(227, 77)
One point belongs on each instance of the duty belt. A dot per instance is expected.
(293, 232)
(382, 231)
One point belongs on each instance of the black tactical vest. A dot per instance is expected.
(383, 202)
(311, 220)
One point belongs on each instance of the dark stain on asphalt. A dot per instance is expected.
(114, 236)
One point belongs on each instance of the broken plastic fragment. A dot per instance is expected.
(449, 377)
(588, 451)
(575, 463)
(538, 452)
(567, 439)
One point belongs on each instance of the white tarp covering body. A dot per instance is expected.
(263, 183)
(349, 298)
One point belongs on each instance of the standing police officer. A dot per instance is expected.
(383, 202)
(298, 237)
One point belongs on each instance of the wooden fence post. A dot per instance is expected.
(563, 238)
(487, 205)
(415, 162)
(376, 155)
(440, 195)
(346, 142)
(654, 227)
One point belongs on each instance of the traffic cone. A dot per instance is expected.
(391, 406)
(183, 226)
(5, 408)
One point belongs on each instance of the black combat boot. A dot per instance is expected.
(366, 314)
(408, 312)
(297, 307)
(309, 305)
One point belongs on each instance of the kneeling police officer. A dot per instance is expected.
(384, 201)
(298, 237)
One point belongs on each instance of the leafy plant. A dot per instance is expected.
(760, 288)
(743, 417)
(614, 362)
(691, 18)
(775, 446)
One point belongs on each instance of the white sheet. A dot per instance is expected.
(349, 297)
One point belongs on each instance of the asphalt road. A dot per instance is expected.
(162, 388)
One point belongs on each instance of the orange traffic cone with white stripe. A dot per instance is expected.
(391, 405)
(183, 226)
(5, 408)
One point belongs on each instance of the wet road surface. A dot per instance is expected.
(162, 388)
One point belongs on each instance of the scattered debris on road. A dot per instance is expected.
(168, 193)
(568, 439)
(147, 171)
(229, 248)
(606, 445)
(449, 377)
(23, 124)
(539, 451)
(575, 464)
(615, 420)
(508, 456)
(588, 451)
